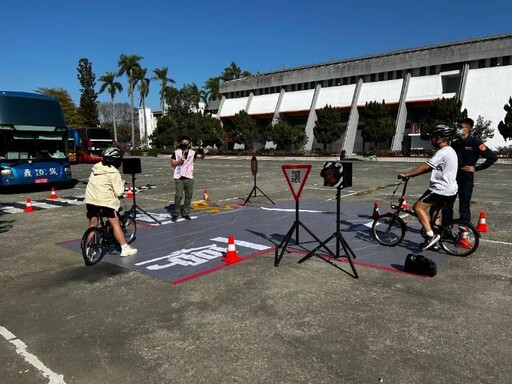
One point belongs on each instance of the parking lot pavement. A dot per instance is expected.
(253, 322)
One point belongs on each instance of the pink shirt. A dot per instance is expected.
(187, 168)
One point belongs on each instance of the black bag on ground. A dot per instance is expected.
(420, 265)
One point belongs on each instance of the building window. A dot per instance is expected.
(494, 62)
(450, 83)
(505, 60)
(381, 76)
(331, 83)
(432, 70)
(399, 74)
(423, 71)
(481, 63)
(345, 81)
(390, 75)
(352, 80)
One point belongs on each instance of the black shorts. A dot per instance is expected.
(430, 197)
(96, 210)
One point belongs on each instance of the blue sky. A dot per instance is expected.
(42, 41)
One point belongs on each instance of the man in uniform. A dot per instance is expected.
(469, 149)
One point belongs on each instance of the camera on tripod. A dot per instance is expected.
(337, 174)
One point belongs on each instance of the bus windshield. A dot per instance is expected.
(30, 143)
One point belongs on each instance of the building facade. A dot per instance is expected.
(478, 72)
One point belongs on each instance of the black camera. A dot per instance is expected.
(337, 174)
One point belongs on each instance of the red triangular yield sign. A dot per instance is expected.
(296, 176)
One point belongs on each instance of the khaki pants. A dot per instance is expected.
(183, 187)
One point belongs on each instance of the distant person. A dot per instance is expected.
(469, 149)
(102, 195)
(442, 189)
(182, 161)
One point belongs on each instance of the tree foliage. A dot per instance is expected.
(244, 129)
(73, 119)
(379, 125)
(286, 135)
(179, 121)
(482, 129)
(233, 72)
(443, 111)
(112, 86)
(128, 64)
(161, 75)
(328, 126)
(88, 107)
(123, 120)
(505, 126)
(210, 89)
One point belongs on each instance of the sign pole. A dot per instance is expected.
(254, 170)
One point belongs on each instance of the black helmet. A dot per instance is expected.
(112, 156)
(442, 131)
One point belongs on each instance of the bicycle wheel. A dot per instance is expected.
(459, 238)
(388, 230)
(129, 227)
(92, 246)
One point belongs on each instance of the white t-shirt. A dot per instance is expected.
(444, 164)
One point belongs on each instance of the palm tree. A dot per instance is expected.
(140, 76)
(112, 86)
(161, 74)
(233, 72)
(127, 64)
(211, 89)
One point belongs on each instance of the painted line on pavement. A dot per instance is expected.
(21, 349)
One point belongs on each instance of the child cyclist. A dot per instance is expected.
(443, 181)
(102, 195)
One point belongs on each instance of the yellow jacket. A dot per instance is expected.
(104, 187)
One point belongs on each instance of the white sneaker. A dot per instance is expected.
(128, 251)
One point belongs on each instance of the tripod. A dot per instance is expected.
(340, 241)
(135, 208)
(295, 227)
(253, 191)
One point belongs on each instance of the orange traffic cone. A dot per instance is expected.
(129, 194)
(29, 207)
(464, 242)
(376, 213)
(205, 195)
(482, 226)
(231, 255)
(404, 204)
(53, 195)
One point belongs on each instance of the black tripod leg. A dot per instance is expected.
(349, 253)
(137, 208)
(253, 190)
(263, 193)
(312, 252)
(284, 245)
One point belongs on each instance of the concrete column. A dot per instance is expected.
(249, 101)
(220, 106)
(401, 118)
(277, 115)
(353, 121)
(310, 125)
(463, 79)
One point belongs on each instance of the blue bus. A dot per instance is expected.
(33, 140)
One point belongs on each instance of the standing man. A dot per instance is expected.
(182, 160)
(469, 149)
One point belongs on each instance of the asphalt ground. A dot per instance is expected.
(63, 322)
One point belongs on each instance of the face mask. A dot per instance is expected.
(184, 146)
